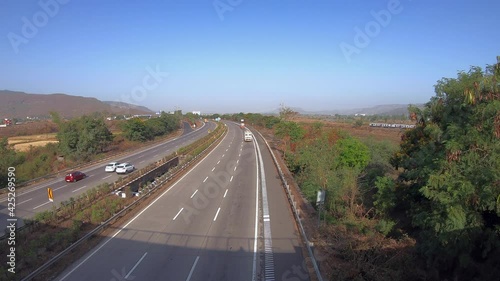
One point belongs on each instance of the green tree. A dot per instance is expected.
(56, 117)
(83, 137)
(286, 113)
(136, 129)
(352, 153)
(191, 117)
(290, 132)
(9, 158)
(449, 188)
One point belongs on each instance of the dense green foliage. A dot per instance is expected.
(137, 129)
(253, 119)
(39, 162)
(9, 158)
(448, 193)
(82, 137)
(333, 162)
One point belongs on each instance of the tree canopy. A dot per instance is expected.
(448, 192)
(84, 136)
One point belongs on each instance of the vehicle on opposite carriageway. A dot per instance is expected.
(248, 135)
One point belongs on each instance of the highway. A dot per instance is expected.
(209, 225)
(35, 199)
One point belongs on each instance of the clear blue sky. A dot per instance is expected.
(251, 57)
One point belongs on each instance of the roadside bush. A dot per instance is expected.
(385, 226)
(97, 214)
(45, 217)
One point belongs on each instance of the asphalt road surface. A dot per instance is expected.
(207, 226)
(35, 199)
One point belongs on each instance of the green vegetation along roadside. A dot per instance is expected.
(52, 231)
(82, 140)
(428, 209)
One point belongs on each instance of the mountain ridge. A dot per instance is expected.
(17, 104)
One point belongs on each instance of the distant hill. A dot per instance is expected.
(127, 106)
(384, 110)
(20, 105)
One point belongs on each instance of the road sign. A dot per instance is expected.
(320, 199)
(51, 195)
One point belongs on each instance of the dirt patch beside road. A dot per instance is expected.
(364, 131)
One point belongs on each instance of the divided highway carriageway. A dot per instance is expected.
(226, 219)
(31, 200)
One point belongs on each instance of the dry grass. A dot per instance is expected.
(21, 147)
(23, 143)
(365, 131)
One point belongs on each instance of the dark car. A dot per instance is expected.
(74, 176)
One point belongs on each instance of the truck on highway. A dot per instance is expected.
(248, 135)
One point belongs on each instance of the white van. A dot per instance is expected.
(248, 135)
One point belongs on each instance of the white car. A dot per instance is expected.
(248, 135)
(124, 168)
(111, 167)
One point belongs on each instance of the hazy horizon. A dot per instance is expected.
(244, 56)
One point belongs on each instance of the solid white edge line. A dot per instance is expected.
(178, 214)
(133, 268)
(216, 214)
(192, 268)
(256, 234)
(107, 177)
(194, 194)
(134, 218)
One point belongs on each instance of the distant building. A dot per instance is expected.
(196, 112)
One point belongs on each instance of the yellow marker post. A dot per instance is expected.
(51, 195)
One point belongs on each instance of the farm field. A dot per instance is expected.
(23, 143)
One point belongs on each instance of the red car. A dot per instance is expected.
(74, 176)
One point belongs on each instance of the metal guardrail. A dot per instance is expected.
(294, 208)
(151, 188)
